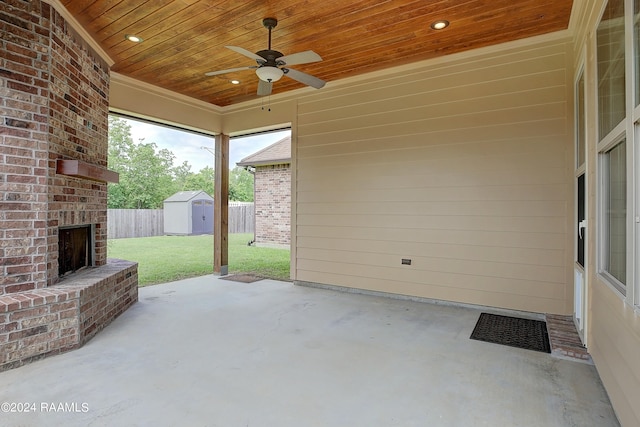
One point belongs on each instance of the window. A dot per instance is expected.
(614, 172)
(610, 37)
(636, 165)
(580, 122)
(580, 225)
(611, 68)
(636, 42)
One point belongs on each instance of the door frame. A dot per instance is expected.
(580, 272)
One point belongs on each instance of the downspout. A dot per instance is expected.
(252, 171)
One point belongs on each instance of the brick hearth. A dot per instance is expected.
(52, 320)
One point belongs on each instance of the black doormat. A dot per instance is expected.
(512, 331)
(243, 278)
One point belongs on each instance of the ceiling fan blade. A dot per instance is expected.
(230, 70)
(304, 78)
(246, 53)
(300, 58)
(264, 88)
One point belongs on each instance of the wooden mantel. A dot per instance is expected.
(80, 169)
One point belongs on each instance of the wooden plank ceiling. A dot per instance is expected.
(184, 39)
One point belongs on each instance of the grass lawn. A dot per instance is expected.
(167, 258)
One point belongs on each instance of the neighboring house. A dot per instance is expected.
(271, 168)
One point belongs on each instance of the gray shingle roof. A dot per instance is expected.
(185, 196)
(276, 153)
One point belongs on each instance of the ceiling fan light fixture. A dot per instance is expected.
(269, 74)
(440, 24)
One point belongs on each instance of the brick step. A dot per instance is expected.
(564, 339)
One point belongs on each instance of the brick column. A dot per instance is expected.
(24, 129)
(53, 105)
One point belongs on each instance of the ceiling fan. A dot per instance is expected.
(272, 65)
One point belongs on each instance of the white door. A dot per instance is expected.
(581, 239)
(580, 226)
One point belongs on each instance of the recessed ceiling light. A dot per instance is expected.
(133, 38)
(440, 25)
(235, 82)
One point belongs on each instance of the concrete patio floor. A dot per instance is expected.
(210, 352)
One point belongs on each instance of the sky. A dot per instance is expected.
(186, 146)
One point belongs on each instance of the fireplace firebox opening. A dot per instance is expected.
(75, 248)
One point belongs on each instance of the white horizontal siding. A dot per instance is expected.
(462, 168)
(615, 347)
(530, 256)
(551, 241)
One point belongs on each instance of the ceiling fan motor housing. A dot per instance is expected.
(270, 56)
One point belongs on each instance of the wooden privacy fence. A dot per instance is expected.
(241, 217)
(125, 223)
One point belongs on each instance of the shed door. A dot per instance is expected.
(198, 217)
(202, 217)
(208, 217)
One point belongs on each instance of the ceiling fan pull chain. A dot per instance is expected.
(268, 103)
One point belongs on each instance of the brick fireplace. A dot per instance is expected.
(53, 158)
(75, 249)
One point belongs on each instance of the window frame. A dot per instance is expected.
(603, 149)
(632, 30)
(623, 130)
(611, 68)
(580, 126)
(633, 214)
(580, 169)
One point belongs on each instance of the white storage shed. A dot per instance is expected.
(188, 212)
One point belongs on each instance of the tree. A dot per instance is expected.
(181, 175)
(202, 180)
(149, 177)
(120, 142)
(240, 185)
(146, 175)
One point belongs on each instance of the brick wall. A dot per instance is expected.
(53, 105)
(78, 117)
(24, 129)
(273, 205)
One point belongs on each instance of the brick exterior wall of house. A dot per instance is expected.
(53, 105)
(273, 205)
